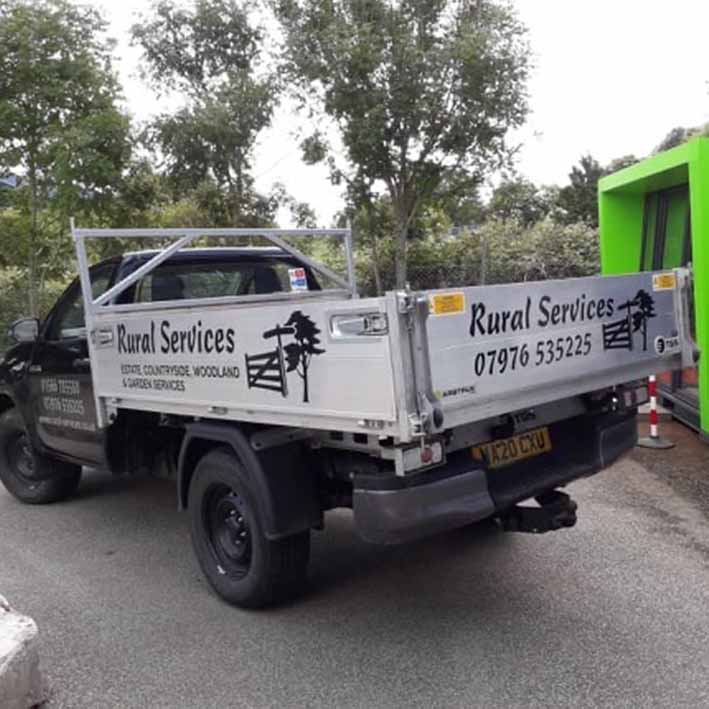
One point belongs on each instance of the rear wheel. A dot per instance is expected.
(241, 564)
(30, 477)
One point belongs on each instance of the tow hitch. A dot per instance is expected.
(556, 510)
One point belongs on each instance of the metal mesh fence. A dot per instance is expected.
(420, 278)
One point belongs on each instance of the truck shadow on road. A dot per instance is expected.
(343, 567)
(343, 564)
(97, 483)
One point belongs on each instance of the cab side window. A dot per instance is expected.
(68, 320)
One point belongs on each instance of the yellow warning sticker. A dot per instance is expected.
(664, 281)
(447, 303)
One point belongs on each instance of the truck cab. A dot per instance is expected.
(47, 375)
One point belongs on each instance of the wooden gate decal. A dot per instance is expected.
(268, 369)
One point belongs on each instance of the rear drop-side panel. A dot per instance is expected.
(494, 349)
(278, 363)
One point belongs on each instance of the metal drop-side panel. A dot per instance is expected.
(271, 363)
(495, 349)
(283, 358)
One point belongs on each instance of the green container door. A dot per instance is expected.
(667, 239)
(667, 243)
(645, 224)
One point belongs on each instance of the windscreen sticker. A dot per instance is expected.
(298, 279)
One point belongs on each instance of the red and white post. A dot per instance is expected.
(654, 440)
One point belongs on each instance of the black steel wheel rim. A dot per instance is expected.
(224, 516)
(19, 455)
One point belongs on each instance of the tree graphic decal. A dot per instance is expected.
(300, 353)
(645, 305)
(269, 370)
(619, 334)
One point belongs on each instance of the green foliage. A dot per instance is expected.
(13, 304)
(422, 93)
(544, 250)
(212, 54)
(54, 70)
(418, 90)
(59, 126)
(458, 197)
(498, 251)
(190, 50)
(579, 199)
(620, 163)
(517, 198)
(680, 135)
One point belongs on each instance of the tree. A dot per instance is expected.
(211, 54)
(621, 163)
(417, 89)
(579, 199)
(458, 196)
(59, 128)
(59, 124)
(371, 217)
(517, 198)
(680, 135)
(675, 137)
(645, 305)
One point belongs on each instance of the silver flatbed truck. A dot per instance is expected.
(272, 393)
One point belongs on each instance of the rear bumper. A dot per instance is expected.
(392, 510)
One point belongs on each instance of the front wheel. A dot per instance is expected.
(30, 477)
(242, 565)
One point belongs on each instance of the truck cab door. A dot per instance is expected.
(60, 384)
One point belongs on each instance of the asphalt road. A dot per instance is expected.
(612, 613)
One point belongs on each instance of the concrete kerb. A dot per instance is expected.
(21, 682)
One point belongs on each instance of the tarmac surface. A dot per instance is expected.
(612, 613)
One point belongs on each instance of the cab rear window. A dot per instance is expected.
(186, 281)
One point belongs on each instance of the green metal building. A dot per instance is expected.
(654, 215)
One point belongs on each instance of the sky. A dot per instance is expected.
(610, 78)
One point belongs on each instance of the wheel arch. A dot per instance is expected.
(285, 486)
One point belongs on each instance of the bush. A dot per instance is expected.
(13, 301)
(545, 250)
(496, 252)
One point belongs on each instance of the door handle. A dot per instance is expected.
(82, 364)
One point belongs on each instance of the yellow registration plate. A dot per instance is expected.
(509, 450)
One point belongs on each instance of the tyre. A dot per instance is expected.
(30, 477)
(244, 567)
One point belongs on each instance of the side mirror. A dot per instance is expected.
(24, 330)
